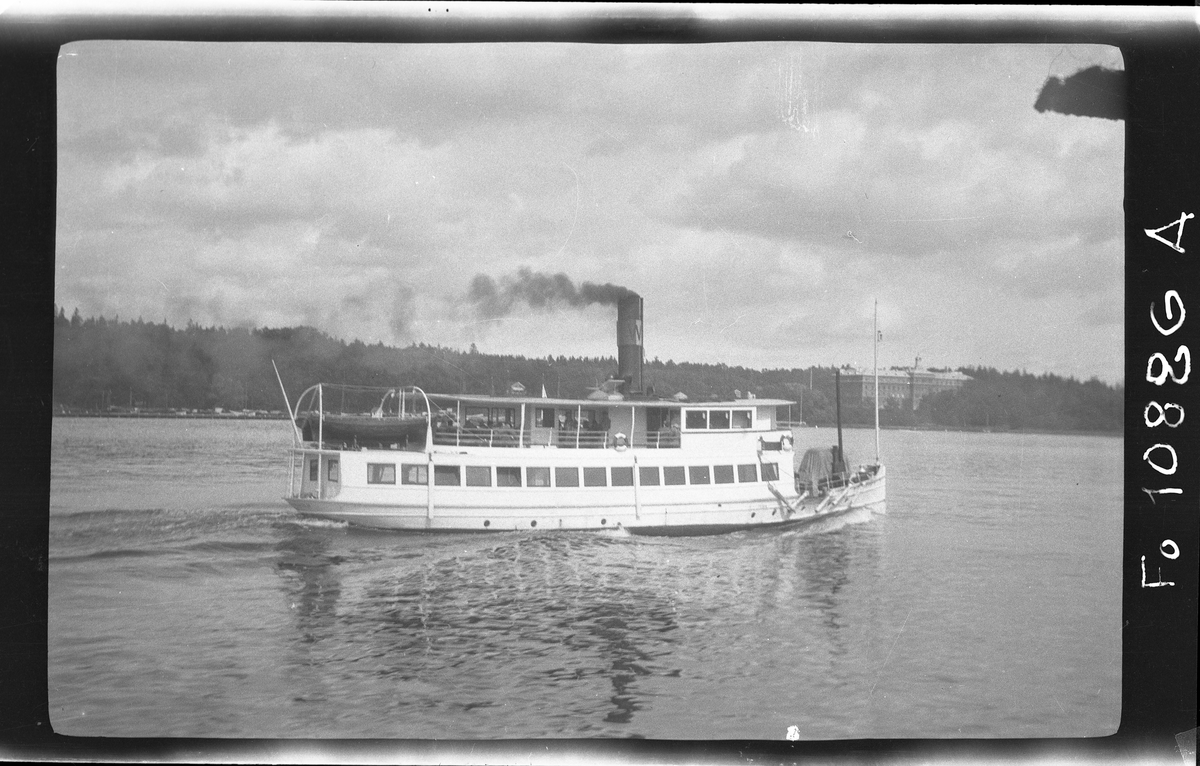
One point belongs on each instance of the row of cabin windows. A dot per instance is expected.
(717, 420)
(539, 476)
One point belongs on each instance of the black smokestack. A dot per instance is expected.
(494, 299)
(629, 342)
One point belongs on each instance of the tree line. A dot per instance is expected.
(102, 364)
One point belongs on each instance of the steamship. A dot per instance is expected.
(619, 459)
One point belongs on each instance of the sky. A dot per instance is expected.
(760, 197)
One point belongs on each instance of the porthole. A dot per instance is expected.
(603, 522)
(487, 523)
(752, 515)
(533, 523)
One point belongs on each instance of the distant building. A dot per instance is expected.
(909, 385)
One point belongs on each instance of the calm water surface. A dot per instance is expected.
(186, 599)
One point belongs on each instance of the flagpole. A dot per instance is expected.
(876, 381)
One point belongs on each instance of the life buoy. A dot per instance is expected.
(785, 443)
(621, 441)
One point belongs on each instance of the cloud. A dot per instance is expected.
(906, 192)
(758, 195)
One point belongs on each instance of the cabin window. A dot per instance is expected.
(475, 416)
(446, 475)
(502, 416)
(333, 470)
(493, 417)
(660, 419)
(594, 477)
(770, 471)
(648, 475)
(479, 476)
(674, 474)
(544, 417)
(313, 470)
(722, 474)
(742, 419)
(696, 419)
(566, 477)
(718, 419)
(748, 473)
(537, 477)
(410, 474)
(381, 473)
(508, 477)
(698, 474)
(622, 476)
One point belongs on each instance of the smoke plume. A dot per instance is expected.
(538, 291)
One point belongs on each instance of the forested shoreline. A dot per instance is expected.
(112, 365)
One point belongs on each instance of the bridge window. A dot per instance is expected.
(446, 475)
(722, 474)
(312, 470)
(595, 477)
(566, 477)
(674, 474)
(748, 472)
(411, 474)
(333, 470)
(622, 476)
(717, 420)
(698, 474)
(770, 471)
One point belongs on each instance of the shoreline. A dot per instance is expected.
(201, 415)
(974, 429)
(260, 415)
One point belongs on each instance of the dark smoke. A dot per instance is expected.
(539, 291)
(1091, 92)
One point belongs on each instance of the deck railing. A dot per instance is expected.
(836, 481)
(478, 437)
(657, 440)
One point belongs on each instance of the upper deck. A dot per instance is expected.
(474, 421)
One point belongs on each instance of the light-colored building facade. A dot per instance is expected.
(909, 385)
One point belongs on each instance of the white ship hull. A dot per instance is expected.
(662, 510)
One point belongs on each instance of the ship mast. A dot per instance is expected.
(876, 363)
